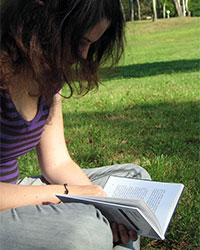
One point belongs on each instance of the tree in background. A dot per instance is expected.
(138, 9)
(187, 8)
(144, 9)
(154, 11)
(164, 8)
(132, 10)
(178, 7)
(122, 6)
(183, 8)
(166, 5)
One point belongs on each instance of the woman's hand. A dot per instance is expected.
(92, 190)
(120, 234)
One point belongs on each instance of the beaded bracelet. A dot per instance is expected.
(66, 189)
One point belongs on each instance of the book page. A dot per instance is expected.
(161, 197)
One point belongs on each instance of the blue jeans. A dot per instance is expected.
(66, 226)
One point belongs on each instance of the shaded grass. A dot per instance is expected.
(147, 111)
(152, 69)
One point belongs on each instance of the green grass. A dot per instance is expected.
(147, 111)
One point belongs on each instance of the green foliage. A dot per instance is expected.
(146, 8)
(126, 6)
(194, 7)
(169, 6)
(145, 5)
(146, 112)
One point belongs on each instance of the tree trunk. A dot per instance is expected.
(164, 9)
(139, 12)
(122, 7)
(178, 7)
(154, 11)
(132, 10)
(187, 9)
(183, 5)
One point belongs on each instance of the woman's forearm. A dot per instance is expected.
(67, 172)
(13, 195)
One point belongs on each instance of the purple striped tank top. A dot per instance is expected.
(17, 136)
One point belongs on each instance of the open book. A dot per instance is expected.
(143, 205)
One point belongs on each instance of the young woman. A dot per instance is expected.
(44, 45)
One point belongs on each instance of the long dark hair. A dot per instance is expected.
(38, 34)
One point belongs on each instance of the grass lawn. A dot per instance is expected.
(147, 111)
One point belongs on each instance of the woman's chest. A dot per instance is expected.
(27, 107)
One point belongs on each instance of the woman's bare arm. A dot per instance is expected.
(55, 161)
(14, 195)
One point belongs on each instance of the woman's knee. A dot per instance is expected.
(137, 171)
(89, 230)
(129, 170)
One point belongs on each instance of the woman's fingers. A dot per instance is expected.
(115, 232)
(132, 235)
(123, 234)
(94, 190)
